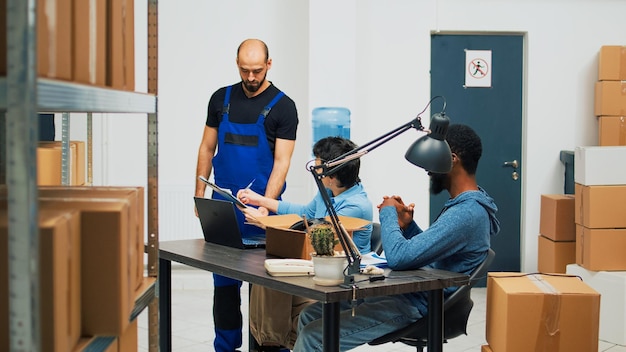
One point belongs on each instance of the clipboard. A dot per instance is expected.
(224, 193)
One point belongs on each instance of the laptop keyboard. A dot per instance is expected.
(252, 241)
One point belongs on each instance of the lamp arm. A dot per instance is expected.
(330, 167)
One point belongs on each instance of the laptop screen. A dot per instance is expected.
(219, 224)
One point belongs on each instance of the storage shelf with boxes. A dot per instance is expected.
(84, 53)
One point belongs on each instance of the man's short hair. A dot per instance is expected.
(465, 143)
(330, 148)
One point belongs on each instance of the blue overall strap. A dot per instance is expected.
(227, 101)
(269, 106)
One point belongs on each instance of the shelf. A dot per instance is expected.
(62, 96)
(145, 294)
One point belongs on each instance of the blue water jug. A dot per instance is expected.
(330, 121)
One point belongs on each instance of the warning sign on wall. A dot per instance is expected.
(478, 68)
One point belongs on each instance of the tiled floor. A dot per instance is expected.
(192, 322)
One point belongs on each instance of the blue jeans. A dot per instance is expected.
(374, 317)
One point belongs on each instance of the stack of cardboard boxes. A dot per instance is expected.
(88, 42)
(600, 199)
(557, 233)
(610, 104)
(92, 266)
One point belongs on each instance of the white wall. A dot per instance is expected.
(372, 57)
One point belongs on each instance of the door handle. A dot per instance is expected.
(514, 164)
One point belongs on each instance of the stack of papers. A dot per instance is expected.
(374, 259)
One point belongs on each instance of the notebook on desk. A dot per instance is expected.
(220, 226)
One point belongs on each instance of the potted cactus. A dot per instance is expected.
(328, 264)
(323, 239)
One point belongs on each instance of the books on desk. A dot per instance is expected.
(372, 258)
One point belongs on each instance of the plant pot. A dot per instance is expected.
(329, 270)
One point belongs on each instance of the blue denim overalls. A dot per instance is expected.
(243, 155)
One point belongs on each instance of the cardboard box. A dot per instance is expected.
(601, 249)
(611, 130)
(59, 281)
(600, 207)
(120, 70)
(557, 217)
(285, 243)
(135, 196)
(541, 313)
(49, 166)
(599, 166)
(49, 158)
(612, 288)
(106, 293)
(54, 39)
(610, 98)
(89, 57)
(128, 341)
(485, 348)
(553, 256)
(612, 63)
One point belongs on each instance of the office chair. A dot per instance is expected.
(376, 241)
(456, 311)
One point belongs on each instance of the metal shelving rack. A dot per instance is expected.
(22, 96)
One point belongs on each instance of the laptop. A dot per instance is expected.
(220, 226)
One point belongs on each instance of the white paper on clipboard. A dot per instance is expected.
(224, 193)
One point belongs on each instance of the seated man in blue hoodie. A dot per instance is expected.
(457, 241)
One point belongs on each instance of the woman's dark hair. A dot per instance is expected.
(465, 143)
(329, 148)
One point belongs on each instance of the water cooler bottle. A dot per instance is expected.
(330, 121)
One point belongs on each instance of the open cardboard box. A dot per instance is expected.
(283, 242)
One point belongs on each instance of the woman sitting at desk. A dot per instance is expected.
(273, 314)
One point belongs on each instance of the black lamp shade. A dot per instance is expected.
(431, 152)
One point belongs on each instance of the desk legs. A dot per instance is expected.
(331, 327)
(435, 320)
(165, 305)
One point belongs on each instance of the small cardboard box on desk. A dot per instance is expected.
(533, 312)
(286, 243)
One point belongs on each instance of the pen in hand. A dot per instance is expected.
(250, 184)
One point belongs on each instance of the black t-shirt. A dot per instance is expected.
(281, 122)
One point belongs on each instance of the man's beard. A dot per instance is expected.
(252, 87)
(438, 183)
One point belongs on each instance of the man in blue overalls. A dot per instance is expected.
(249, 137)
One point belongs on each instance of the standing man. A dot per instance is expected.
(249, 138)
(458, 240)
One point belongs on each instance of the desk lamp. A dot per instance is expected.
(430, 152)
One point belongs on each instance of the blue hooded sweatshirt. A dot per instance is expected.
(457, 241)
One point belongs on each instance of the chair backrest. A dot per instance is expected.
(376, 240)
(478, 273)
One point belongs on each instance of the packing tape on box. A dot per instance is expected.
(547, 336)
(622, 61)
(622, 128)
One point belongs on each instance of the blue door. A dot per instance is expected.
(495, 113)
